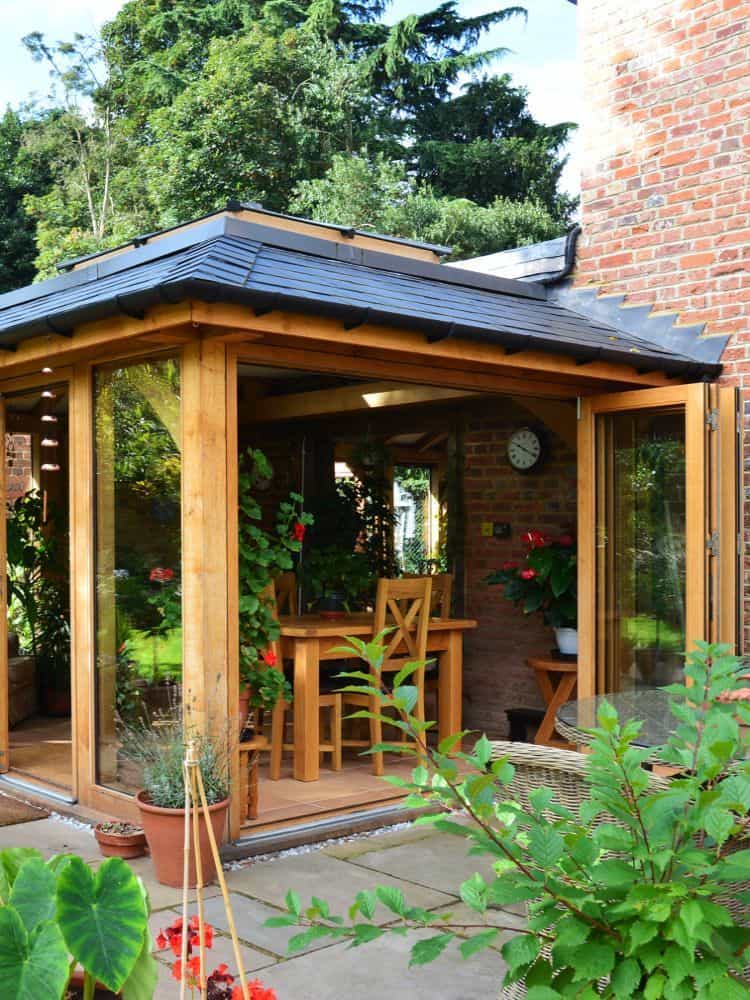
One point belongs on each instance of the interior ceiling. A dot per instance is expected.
(29, 402)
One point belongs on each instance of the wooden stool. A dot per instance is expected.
(249, 755)
(331, 702)
(557, 681)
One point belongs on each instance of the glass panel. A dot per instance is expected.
(641, 546)
(138, 554)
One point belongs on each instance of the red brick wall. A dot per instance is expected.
(18, 465)
(666, 172)
(495, 674)
(666, 184)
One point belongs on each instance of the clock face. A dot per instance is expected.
(524, 449)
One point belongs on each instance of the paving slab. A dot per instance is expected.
(441, 862)
(249, 916)
(162, 896)
(378, 841)
(380, 969)
(51, 836)
(334, 880)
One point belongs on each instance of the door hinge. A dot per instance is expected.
(712, 420)
(712, 543)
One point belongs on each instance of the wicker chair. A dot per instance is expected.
(564, 772)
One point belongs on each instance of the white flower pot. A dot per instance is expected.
(567, 641)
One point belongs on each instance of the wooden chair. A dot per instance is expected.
(404, 606)
(440, 607)
(284, 593)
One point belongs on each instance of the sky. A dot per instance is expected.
(542, 56)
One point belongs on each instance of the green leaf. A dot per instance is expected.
(542, 993)
(546, 846)
(301, 941)
(141, 983)
(33, 893)
(520, 950)
(594, 961)
(691, 916)
(293, 903)
(626, 978)
(654, 987)
(103, 918)
(478, 942)
(287, 920)
(391, 897)
(474, 893)
(31, 965)
(429, 949)
(366, 902)
(483, 750)
(11, 860)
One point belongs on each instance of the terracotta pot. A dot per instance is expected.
(165, 829)
(121, 845)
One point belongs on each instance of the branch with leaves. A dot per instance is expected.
(626, 897)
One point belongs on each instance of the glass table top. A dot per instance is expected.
(650, 705)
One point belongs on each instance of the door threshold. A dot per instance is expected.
(37, 788)
(302, 834)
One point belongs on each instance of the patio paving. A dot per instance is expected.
(427, 866)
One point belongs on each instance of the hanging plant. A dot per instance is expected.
(263, 556)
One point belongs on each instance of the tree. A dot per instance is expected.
(20, 175)
(265, 113)
(379, 195)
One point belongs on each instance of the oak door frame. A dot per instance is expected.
(695, 400)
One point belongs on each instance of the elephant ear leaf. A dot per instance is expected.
(31, 965)
(103, 918)
(142, 981)
(33, 893)
(11, 860)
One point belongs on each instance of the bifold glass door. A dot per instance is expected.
(654, 522)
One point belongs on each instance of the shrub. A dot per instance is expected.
(627, 897)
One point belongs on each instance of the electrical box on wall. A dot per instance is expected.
(495, 529)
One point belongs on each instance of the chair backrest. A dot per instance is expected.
(404, 606)
(286, 594)
(442, 592)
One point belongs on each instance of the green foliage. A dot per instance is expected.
(176, 107)
(263, 556)
(335, 570)
(380, 194)
(38, 585)
(159, 751)
(546, 582)
(627, 897)
(52, 910)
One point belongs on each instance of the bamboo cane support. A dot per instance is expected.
(194, 771)
(223, 885)
(185, 873)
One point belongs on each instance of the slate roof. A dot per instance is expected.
(537, 262)
(229, 259)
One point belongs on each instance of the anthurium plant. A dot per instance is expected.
(628, 896)
(544, 581)
(59, 914)
(263, 555)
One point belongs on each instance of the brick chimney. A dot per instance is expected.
(666, 163)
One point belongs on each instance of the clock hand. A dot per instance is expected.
(528, 452)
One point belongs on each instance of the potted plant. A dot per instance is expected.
(158, 748)
(263, 555)
(337, 580)
(545, 582)
(120, 840)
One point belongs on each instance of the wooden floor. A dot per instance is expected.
(41, 748)
(288, 801)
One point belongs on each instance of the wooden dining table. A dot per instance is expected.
(310, 640)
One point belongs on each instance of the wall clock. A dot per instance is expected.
(525, 449)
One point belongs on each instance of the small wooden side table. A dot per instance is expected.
(557, 681)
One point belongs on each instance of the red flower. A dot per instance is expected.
(528, 574)
(256, 991)
(177, 970)
(534, 539)
(194, 966)
(269, 658)
(161, 575)
(298, 531)
(161, 941)
(175, 943)
(220, 975)
(510, 565)
(566, 540)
